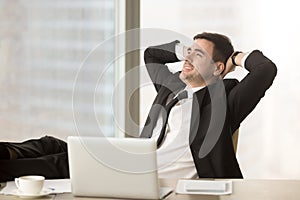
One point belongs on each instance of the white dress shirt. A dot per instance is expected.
(174, 158)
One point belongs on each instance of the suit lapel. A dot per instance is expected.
(159, 102)
(196, 112)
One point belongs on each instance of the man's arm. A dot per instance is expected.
(155, 59)
(245, 96)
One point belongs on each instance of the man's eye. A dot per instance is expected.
(200, 55)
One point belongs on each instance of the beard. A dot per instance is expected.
(192, 80)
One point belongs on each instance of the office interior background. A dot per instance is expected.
(44, 45)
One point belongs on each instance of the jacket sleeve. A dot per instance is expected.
(244, 97)
(156, 58)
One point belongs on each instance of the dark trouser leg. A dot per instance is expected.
(37, 147)
(46, 156)
(4, 153)
(50, 166)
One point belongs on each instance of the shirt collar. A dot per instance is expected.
(191, 91)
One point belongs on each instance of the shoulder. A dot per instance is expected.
(229, 84)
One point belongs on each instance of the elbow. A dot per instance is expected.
(272, 70)
(269, 73)
(147, 54)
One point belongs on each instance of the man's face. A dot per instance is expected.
(198, 66)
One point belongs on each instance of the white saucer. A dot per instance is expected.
(41, 194)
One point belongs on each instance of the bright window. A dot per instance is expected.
(43, 45)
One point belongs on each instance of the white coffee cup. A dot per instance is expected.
(30, 184)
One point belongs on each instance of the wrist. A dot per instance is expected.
(233, 58)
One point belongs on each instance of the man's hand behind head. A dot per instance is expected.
(230, 67)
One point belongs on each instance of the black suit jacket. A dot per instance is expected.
(217, 110)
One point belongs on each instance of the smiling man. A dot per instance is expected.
(195, 133)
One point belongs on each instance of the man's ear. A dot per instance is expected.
(219, 68)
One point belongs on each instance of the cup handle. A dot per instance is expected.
(17, 183)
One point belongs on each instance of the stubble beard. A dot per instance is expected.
(192, 81)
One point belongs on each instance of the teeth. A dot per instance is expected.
(187, 67)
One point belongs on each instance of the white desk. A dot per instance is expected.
(242, 190)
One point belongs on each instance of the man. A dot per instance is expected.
(199, 142)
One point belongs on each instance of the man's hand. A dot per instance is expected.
(230, 67)
(185, 51)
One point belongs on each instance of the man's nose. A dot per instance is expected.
(189, 57)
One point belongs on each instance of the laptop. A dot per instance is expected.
(114, 167)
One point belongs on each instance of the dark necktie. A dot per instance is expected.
(168, 107)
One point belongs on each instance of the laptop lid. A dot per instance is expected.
(113, 167)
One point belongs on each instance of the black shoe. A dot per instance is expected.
(4, 153)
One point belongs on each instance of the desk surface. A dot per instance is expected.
(243, 189)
